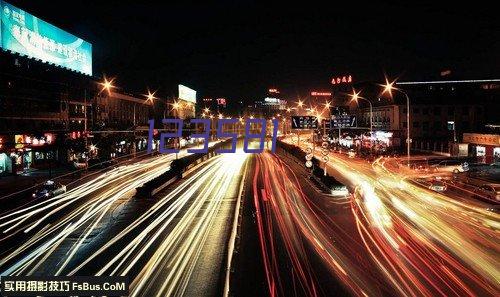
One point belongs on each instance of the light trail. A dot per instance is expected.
(282, 206)
(158, 249)
(421, 242)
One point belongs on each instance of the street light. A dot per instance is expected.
(107, 84)
(327, 104)
(388, 88)
(151, 96)
(176, 105)
(355, 96)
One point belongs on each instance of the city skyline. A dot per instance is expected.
(299, 49)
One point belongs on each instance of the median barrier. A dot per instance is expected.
(179, 168)
(317, 172)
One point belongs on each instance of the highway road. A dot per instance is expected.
(172, 245)
(417, 241)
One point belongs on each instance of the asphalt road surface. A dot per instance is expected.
(174, 244)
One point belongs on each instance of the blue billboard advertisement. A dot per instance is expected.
(28, 35)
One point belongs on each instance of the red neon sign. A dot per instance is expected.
(318, 94)
(221, 101)
(345, 79)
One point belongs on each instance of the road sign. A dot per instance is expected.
(343, 121)
(309, 150)
(326, 159)
(324, 145)
(304, 122)
(309, 164)
(325, 152)
(309, 157)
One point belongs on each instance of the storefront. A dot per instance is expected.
(34, 151)
(486, 147)
(3, 157)
(5, 164)
(346, 141)
(380, 140)
(496, 154)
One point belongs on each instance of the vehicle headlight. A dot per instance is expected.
(47, 194)
(33, 195)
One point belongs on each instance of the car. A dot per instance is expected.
(49, 189)
(438, 185)
(488, 191)
(494, 208)
(79, 164)
(339, 190)
(455, 166)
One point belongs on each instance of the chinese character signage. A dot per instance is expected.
(304, 122)
(484, 139)
(343, 121)
(28, 35)
(340, 80)
(321, 94)
(221, 101)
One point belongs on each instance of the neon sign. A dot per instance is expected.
(340, 80)
(321, 94)
(221, 101)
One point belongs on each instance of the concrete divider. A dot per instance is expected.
(178, 169)
(327, 180)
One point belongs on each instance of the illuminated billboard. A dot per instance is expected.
(28, 35)
(187, 94)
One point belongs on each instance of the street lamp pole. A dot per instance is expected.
(388, 87)
(355, 98)
(408, 139)
(85, 126)
(371, 123)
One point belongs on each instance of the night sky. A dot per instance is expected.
(239, 49)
